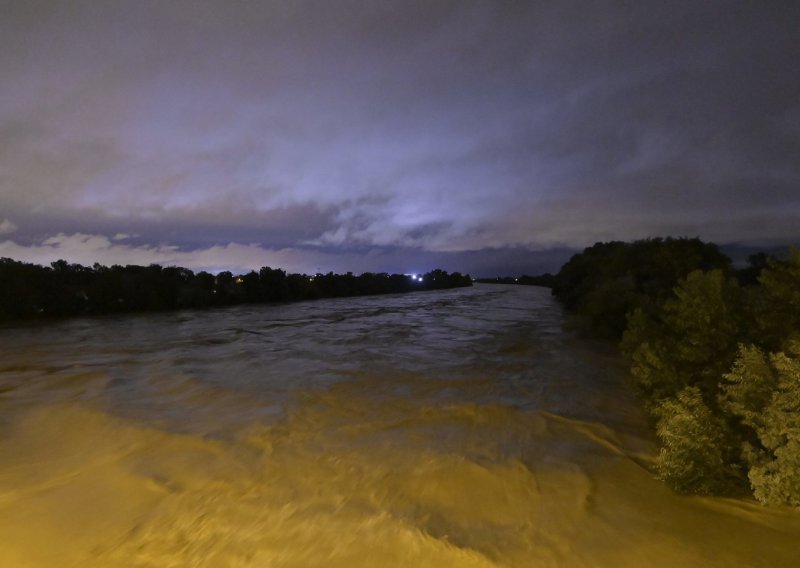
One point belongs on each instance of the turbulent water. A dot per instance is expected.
(457, 428)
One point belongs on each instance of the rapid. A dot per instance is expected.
(457, 428)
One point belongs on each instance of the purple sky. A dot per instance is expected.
(485, 137)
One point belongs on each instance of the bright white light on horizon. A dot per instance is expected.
(414, 277)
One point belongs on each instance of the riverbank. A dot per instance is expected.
(29, 291)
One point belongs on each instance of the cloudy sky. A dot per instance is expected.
(394, 136)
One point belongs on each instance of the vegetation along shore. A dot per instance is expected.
(714, 355)
(63, 289)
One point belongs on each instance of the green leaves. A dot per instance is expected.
(607, 281)
(776, 310)
(764, 392)
(747, 389)
(692, 457)
(691, 341)
(723, 408)
(713, 362)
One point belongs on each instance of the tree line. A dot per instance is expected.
(714, 354)
(63, 289)
(545, 280)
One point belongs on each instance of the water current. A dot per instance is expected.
(456, 428)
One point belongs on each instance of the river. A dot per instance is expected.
(455, 428)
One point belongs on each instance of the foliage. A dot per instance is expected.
(690, 341)
(756, 263)
(693, 452)
(776, 310)
(723, 404)
(764, 392)
(545, 280)
(607, 281)
(714, 354)
(63, 289)
(746, 390)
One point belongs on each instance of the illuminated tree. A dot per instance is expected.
(764, 392)
(693, 456)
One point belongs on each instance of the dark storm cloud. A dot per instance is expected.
(398, 130)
